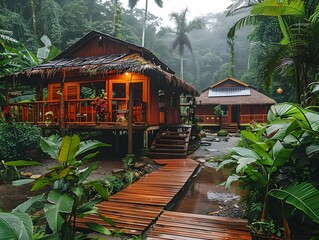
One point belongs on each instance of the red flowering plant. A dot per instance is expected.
(101, 107)
(6, 114)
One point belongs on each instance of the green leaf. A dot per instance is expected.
(224, 163)
(266, 158)
(30, 203)
(243, 163)
(100, 189)
(277, 8)
(256, 177)
(53, 217)
(78, 191)
(90, 145)
(245, 152)
(280, 154)
(16, 226)
(51, 146)
(21, 163)
(230, 180)
(249, 136)
(87, 172)
(69, 147)
(54, 236)
(89, 156)
(39, 183)
(98, 228)
(22, 182)
(63, 202)
(108, 220)
(303, 196)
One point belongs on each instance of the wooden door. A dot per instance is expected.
(71, 95)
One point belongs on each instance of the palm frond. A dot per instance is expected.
(195, 24)
(278, 8)
(273, 63)
(303, 196)
(132, 3)
(159, 3)
(239, 6)
(243, 22)
(5, 36)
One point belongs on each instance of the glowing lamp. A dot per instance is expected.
(279, 91)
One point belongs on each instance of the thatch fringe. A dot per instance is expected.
(119, 63)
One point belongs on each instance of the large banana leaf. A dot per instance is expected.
(16, 226)
(61, 203)
(30, 204)
(90, 145)
(69, 148)
(303, 196)
(51, 145)
(306, 118)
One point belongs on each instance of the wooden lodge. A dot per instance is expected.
(240, 105)
(101, 83)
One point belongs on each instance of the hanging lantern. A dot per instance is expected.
(279, 91)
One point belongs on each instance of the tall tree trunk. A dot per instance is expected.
(33, 18)
(182, 68)
(144, 23)
(231, 44)
(116, 19)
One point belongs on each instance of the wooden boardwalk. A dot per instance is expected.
(177, 225)
(135, 209)
(138, 206)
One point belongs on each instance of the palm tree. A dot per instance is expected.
(298, 50)
(132, 4)
(182, 29)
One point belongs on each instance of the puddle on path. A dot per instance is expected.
(203, 194)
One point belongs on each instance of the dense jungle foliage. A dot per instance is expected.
(64, 22)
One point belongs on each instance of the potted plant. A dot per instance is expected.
(101, 107)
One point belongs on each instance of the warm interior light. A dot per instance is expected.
(126, 73)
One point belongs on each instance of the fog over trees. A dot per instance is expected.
(64, 22)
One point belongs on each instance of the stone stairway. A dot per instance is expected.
(171, 142)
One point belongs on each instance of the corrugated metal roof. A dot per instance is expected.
(229, 92)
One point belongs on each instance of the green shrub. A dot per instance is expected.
(222, 133)
(16, 139)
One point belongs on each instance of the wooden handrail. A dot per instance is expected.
(77, 111)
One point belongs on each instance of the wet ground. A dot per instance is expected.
(204, 196)
(12, 196)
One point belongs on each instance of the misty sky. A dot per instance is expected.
(196, 7)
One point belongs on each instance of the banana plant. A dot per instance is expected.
(68, 197)
(264, 165)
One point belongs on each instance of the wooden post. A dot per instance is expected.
(62, 107)
(145, 139)
(130, 119)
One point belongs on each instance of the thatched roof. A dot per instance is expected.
(147, 54)
(118, 63)
(245, 95)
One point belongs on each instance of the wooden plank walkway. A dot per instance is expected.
(138, 206)
(177, 225)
